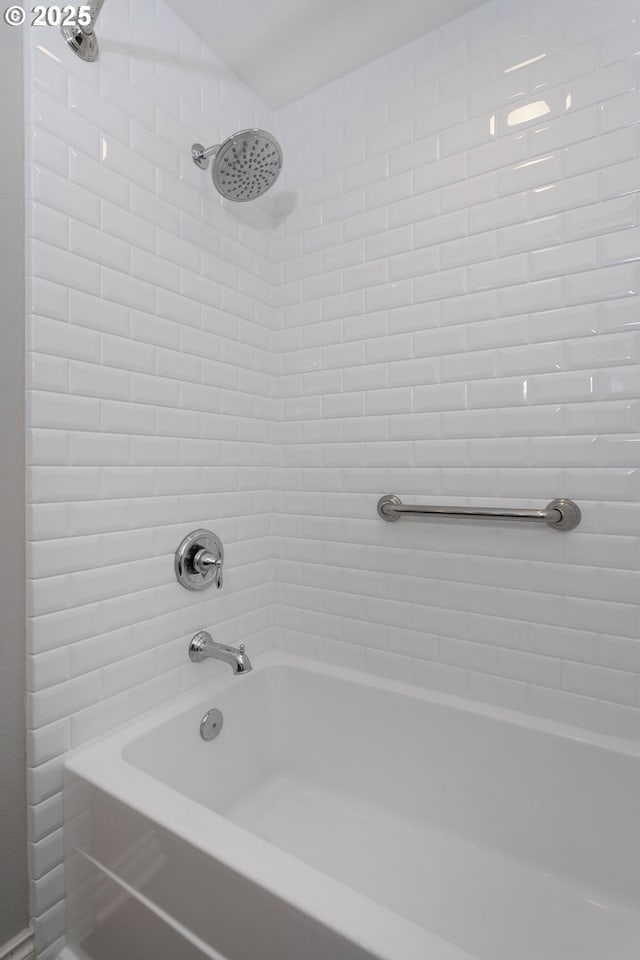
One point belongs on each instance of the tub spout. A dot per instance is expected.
(204, 647)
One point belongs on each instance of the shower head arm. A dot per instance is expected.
(201, 155)
(95, 8)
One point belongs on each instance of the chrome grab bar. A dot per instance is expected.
(560, 514)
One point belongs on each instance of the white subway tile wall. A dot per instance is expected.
(150, 391)
(439, 299)
(460, 324)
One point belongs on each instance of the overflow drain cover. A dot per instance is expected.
(211, 724)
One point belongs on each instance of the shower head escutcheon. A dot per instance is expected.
(244, 167)
(81, 35)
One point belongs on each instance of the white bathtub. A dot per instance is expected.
(338, 817)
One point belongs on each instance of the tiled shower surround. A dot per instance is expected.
(459, 324)
(438, 299)
(150, 401)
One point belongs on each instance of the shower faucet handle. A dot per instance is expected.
(204, 561)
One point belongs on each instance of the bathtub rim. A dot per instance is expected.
(194, 696)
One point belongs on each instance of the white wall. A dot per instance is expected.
(460, 325)
(449, 312)
(149, 399)
(13, 847)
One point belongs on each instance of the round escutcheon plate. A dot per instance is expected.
(211, 724)
(186, 573)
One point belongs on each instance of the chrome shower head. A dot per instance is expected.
(245, 166)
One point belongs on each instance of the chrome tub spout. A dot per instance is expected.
(204, 647)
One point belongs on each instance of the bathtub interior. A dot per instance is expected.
(501, 838)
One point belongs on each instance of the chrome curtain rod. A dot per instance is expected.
(560, 514)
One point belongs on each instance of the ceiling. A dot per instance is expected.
(285, 49)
